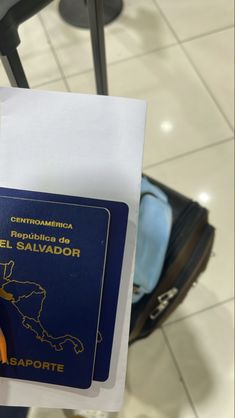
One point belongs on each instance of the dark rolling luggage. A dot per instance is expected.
(187, 255)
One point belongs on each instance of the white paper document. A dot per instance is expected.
(76, 145)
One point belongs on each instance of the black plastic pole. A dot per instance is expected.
(14, 70)
(95, 13)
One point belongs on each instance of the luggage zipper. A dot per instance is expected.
(194, 265)
(163, 302)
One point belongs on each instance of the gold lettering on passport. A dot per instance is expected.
(36, 364)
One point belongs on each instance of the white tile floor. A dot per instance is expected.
(179, 57)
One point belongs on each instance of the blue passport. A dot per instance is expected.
(52, 262)
(114, 259)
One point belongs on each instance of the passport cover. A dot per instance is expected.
(114, 260)
(52, 260)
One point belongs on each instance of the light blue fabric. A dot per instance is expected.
(154, 228)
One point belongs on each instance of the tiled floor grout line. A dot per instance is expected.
(91, 70)
(65, 78)
(191, 38)
(142, 54)
(178, 42)
(181, 44)
(179, 373)
(201, 311)
(122, 60)
(207, 87)
(34, 86)
(54, 53)
(75, 74)
(188, 153)
(212, 32)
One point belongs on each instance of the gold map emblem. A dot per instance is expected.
(28, 299)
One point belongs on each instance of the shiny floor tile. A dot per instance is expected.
(207, 177)
(203, 348)
(32, 36)
(181, 116)
(206, 53)
(76, 58)
(41, 68)
(193, 18)
(139, 29)
(82, 83)
(153, 388)
(58, 85)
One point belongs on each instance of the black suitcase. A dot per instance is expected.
(188, 252)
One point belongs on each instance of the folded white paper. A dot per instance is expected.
(78, 145)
